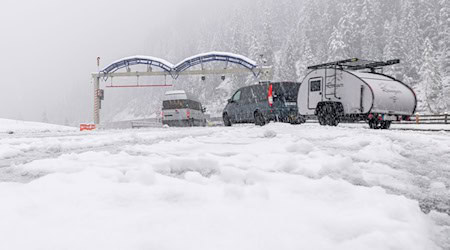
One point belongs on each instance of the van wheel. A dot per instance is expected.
(191, 123)
(226, 120)
(259, 119)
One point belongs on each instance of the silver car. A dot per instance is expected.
(181, 110)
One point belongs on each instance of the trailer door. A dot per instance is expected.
(314, 92)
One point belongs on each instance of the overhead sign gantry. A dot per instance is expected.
(263, 73)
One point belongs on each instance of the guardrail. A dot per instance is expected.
(416, 119)
(217, 121)
(145, 124)
(428, 119)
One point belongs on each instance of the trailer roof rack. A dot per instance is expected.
(356, 64)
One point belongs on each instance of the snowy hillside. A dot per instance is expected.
(15, 126)
(295, 34)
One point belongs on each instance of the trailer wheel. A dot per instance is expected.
(375, 124)
(385, 124)
(322, 120)
(333, 121)
(372, 124)
(329, 113)
(321, 115)
(335, 112)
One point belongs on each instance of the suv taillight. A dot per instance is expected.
(270, 95)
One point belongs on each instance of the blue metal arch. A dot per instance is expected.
(174, 71)
(137, 60)
(216, 56)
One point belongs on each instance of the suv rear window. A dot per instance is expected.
(286, 90)
(181, 104)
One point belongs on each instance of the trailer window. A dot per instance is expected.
(315, 85)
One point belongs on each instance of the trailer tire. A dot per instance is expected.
(385, 124)
(333, 121)
(328, 114)
(321, 115)
(375, 124)
(372, 124)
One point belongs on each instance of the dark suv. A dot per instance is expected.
(262, 103)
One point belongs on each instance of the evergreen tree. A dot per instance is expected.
(336, 46)
(394, 49)
(431, 92)
(44, 117)
(289, 60)
(267, 38)
(444, 48)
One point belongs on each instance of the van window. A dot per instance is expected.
(181, 104)
(237, 96)
(195, 105)
(260, 92)
(315, 85)
(247, 96)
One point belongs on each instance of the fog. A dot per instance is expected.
(49, 48)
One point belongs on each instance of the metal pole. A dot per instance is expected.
(96, 100)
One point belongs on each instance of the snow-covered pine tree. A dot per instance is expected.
(430, 92)
(394, 48)
(350, 29)
(289, 59)
(370, 14)
(267, 38)
(337, 49)
(444, 48)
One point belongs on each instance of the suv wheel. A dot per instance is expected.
(259, 119)
(226, 120)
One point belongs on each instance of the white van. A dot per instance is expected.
(181, 110)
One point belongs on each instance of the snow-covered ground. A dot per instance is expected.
(15, 126)
(244, 187)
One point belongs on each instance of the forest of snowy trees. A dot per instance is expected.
(292, 34)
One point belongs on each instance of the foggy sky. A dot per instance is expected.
(48, 48)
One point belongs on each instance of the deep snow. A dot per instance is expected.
(245, 187)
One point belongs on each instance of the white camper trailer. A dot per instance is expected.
(355, 90)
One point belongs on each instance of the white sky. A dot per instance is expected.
(48, 48)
